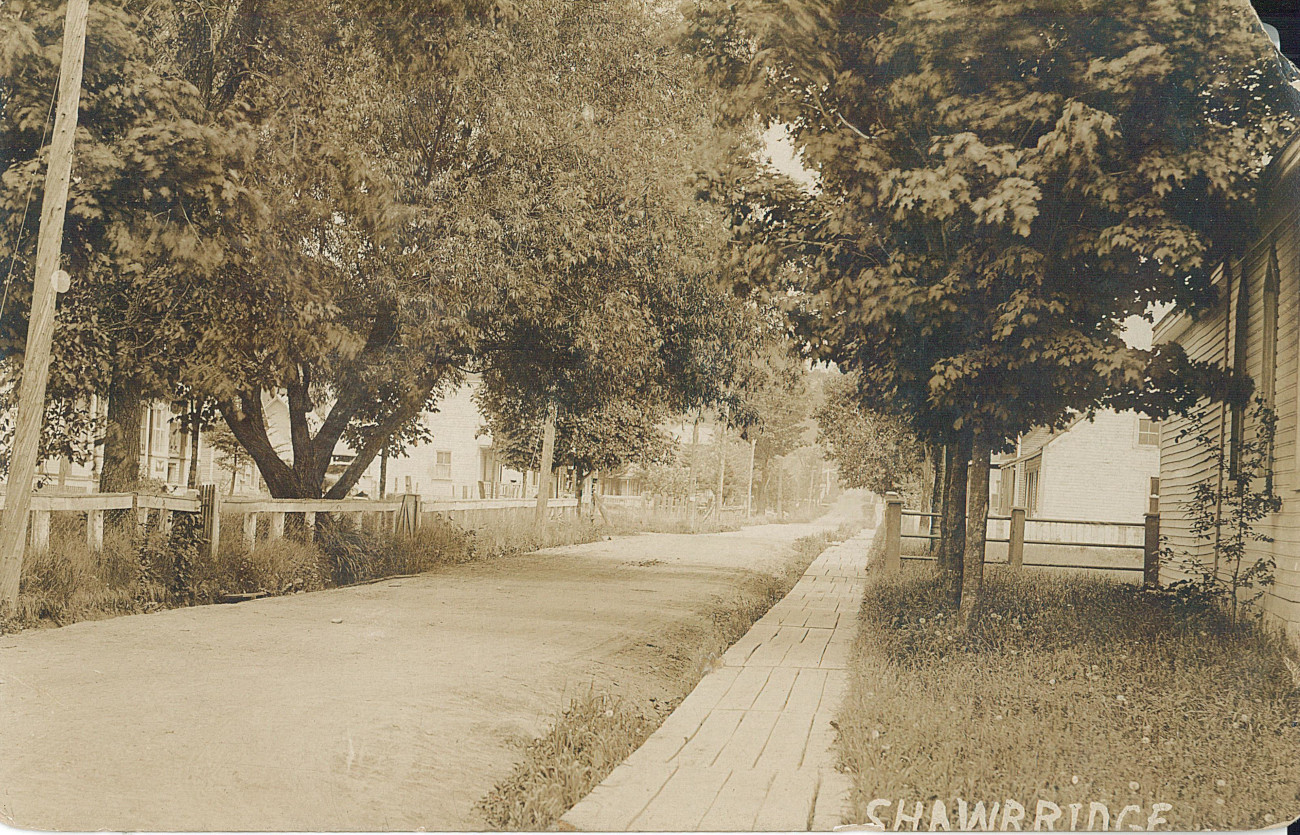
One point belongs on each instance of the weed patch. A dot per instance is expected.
(1069, 690)
(157, 569)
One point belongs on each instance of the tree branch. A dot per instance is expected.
(411, 406)
(248, 424)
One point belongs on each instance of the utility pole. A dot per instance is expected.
(544, 475)
(40, 326)
(749, 497)
(722, 461)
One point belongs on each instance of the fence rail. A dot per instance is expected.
(1141, 537)
(402, 514)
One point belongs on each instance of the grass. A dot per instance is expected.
(160, 570)
(596, 731)
(73, 582)
(1070, 690)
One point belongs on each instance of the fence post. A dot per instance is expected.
(95, 530)
(1151, 547)
(277, 526)
(141, 515)
(309, 526)
(250, 531)
(1016, 545)
(406, 520)
(210, 519)
(893, 531)
(40, 531)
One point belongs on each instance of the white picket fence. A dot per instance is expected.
(402, 514)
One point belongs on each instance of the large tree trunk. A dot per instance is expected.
(763, 495)
(722, 468)
(972, 578)
(121, 470)
(193, 481)
(312, 454)
(953, 544)
(383, 472)
(248, 424)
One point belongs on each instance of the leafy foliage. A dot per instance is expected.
(612, 315)
(872, 449)
(158, 192)
(998, 185)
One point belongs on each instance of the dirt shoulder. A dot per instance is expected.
(270, 715)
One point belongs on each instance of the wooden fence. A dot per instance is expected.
(402, 515)
(1074, 544)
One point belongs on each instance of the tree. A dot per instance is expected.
(227, 450)
(601, 440)
(156, 187)
(1225, 513)
(999, 184)
(350, 304)
(769, 397)
(613, 318)
(871, 449)
(441, 188)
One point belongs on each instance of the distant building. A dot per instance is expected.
(164, 458)
(458, 463)
(1103, 470)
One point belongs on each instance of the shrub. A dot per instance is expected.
(1224, 511)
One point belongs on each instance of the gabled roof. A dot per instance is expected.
(1033, 441)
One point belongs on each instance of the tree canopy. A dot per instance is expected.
(873, 450)
(998, 185)
(156, 189)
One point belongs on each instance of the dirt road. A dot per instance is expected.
(270, 715)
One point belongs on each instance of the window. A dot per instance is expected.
(442, 466)
(1268, 375)
(1148, 432)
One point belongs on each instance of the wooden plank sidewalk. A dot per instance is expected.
(750, 747)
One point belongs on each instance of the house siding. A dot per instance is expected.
(1210, 337)
(1097, 471)
(458, 428)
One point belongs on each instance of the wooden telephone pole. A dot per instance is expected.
(40, 326)
(545, 474)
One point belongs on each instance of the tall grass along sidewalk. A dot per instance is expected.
(1076, 703)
